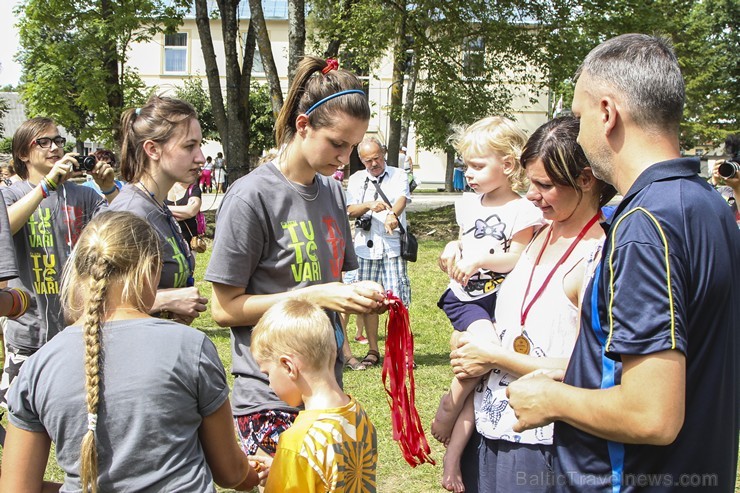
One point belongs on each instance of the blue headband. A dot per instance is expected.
(332, 96)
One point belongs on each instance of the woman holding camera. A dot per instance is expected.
(285, 226)
(47, 213)
(160, 146)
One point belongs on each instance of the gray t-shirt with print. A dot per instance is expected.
(42, 247)
(8, 263)
(160, 379)
(176, 254)
(272, 238)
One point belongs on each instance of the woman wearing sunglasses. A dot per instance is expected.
(47, 213)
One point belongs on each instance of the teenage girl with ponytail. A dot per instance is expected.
(160, 145)
(282, 231)
(148, 410)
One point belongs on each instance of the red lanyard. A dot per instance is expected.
(525, 311)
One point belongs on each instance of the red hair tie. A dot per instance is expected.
(331, 64)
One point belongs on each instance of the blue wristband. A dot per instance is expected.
(108, 192)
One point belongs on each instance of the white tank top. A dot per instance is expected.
(551, 328)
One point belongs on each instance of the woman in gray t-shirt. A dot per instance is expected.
(161, 421)
(282, 230)
(160, 146)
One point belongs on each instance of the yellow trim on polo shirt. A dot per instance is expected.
(667, 270)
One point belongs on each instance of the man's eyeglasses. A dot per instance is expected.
(45, 142)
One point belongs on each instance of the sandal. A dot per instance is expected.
(371, 359)
(354, 364)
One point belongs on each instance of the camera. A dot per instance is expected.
(363, 223)
(86, 163)
(729, 168)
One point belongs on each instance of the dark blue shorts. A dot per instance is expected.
(463, 313)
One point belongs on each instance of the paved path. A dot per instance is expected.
(419, 201)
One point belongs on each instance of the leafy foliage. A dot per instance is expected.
(261, 122)
(74, 58)
(194, 93)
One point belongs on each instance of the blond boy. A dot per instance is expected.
(331, 446)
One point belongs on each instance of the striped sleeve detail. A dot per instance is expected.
(669, 289)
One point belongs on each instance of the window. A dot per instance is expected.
(175, 53)
(474, 51)
(257, 65)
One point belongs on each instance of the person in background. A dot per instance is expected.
(377, 238)
(47, 212)
(219, 173)
(160, 146)
(8, 175)
(131, 402)
(332, 445)
(284, 225)
(184, 201)
(206, 182)
(651, 388)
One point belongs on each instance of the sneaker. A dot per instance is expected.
(361, 339)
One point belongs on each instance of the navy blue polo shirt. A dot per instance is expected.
(665, 281)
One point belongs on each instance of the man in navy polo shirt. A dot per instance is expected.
(650, 397)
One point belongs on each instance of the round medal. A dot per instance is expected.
(521, 345)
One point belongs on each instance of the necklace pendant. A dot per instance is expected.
(521, 345)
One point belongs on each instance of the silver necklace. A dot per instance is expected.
(304, 196)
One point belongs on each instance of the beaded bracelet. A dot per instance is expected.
(108, 192)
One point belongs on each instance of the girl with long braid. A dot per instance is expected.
(156, 413)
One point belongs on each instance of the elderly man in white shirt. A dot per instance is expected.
(377, 236)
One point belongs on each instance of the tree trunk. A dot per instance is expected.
(263, 42)
(112, 80)
(296, 35)
(203, 23)
(245, 87)
(399, 60)
(449, 170)
(408, 108)
(236, 148)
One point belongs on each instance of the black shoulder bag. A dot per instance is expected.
(409, 245)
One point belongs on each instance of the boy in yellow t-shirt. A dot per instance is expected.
(331, 446)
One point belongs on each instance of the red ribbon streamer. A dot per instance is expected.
(398, 364)
(331, 64)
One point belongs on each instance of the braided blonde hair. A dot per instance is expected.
(115, 249)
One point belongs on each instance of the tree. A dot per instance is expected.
(296, 35)
(74, 58)
(263, 41)
(704, 35)
(192, 91)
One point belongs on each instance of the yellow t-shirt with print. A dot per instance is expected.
(326, 450)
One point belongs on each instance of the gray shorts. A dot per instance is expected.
(514, 467)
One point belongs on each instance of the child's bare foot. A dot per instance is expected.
(444, 420)
(451, 475)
